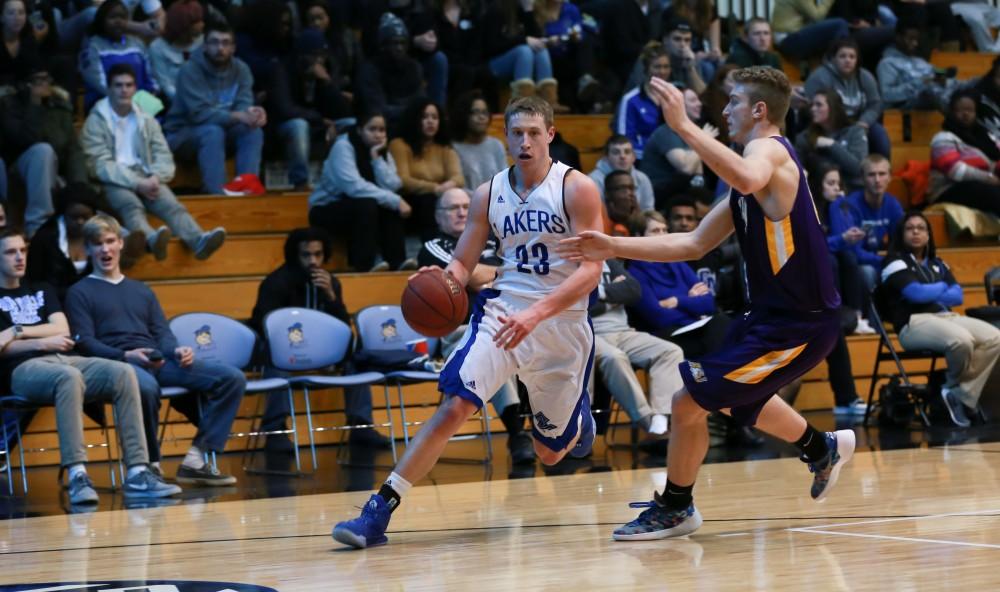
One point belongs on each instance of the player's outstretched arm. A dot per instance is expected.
(747, 174)
(473, 240)
(680, 246)
(583, 205)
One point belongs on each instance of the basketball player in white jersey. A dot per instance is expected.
(533, 321)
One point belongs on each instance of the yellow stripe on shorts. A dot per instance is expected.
(763, 366)
(780, 243)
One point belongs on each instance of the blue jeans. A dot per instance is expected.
(357, 403)
(435, 68)
(38, 166)
(221, 388)
(296, 135)
(813, 40)
(208, 144)
(522, 62)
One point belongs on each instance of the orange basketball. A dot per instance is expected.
(434, 303)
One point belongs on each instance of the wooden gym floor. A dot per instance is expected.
(922, 518)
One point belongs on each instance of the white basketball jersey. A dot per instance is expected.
(529, 231)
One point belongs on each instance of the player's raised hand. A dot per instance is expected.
(424, 269)
(671, 101)
(589, 245)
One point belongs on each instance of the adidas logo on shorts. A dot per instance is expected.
(471, 384)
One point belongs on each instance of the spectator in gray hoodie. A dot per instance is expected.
(857, 88)
(620, 156)
(832, 137)
(214, 108)
(906, 80)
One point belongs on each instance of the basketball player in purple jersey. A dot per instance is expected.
(791, 322)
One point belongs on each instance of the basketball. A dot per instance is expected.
(434, 303)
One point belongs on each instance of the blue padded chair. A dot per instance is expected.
(306, 340)
(222, 340)
(16, 403)
(382, 327)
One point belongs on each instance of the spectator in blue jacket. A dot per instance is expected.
(872, 211)
(673, 298)
(108, 45)
(638, 116)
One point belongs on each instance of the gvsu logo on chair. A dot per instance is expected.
(137, 586)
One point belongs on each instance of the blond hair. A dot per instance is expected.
(529, 106)
(768, 85)
(99, 224)
(872, 159)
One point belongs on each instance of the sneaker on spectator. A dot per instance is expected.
(209, 243)
(522, 449)
(157, 242)
(380, 266)
(855, 407)
(245, 184)
(81, 490)
(206, 475)
(863, 328)
(408, 265)
(956, 410)
(146, 485)
(134, 249)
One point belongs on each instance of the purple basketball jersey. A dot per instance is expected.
(786, 262)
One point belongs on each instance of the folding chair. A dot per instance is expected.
(220, 339)
(382, 327)
(887, 351)
(305, 340)
(16, 403)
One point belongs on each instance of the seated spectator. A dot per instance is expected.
(671, 164)
(619, 156)
(127, 153)
(832, 137)
(344, 51)
(672, 298)
(908, 81)
(621, 202)
(20, 49)
(857, 88)
(802, 29)
(119, 318)
(304, 104)
(515, 48)
(58, 250)
(922, 290)
(937, 22)
(427, 164)
(154, 23)
(264, 39)
(571, 48)
(564, 152)
(460, 30)
(204, 119)
(638, 116)
(357, 196)
(981, 18)
(706, 32)
(871, 210)
(183, 35)
(964, 157)
(988, 99)
(108, 45)
(452, 215)
(867, 29)
(626, 28)
(41, 144)
(754, 47)
(481, 155)
(36, 362)
(716, 97)
(684, 69)
(392, 79)
(618, 348)
(302, 282)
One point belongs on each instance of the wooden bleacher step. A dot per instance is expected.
(274, 212)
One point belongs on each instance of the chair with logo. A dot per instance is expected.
(306, 340)
(911, 394)
(222, 340)
(382, 329)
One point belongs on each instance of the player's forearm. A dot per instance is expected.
(459, 271)
(729, 166)
(578, 285)
(664, 248)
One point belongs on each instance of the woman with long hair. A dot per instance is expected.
(831, 136)
(428, 165)
(182, 35)
(107, 45)
(964, 159)
(923, 290)
(481, 155)
(638, 115)
(20, 48)
(357, 196)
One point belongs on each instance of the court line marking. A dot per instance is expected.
(823, 529)
(897, 538)
(901, 518)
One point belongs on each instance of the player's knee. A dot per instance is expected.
(458, 410)
(545, 454)
(684, 408)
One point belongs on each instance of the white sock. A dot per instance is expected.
(73, 470)
(155, 465)
(194, 458)
(658, 425)
(135, 470)
(398, 484)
